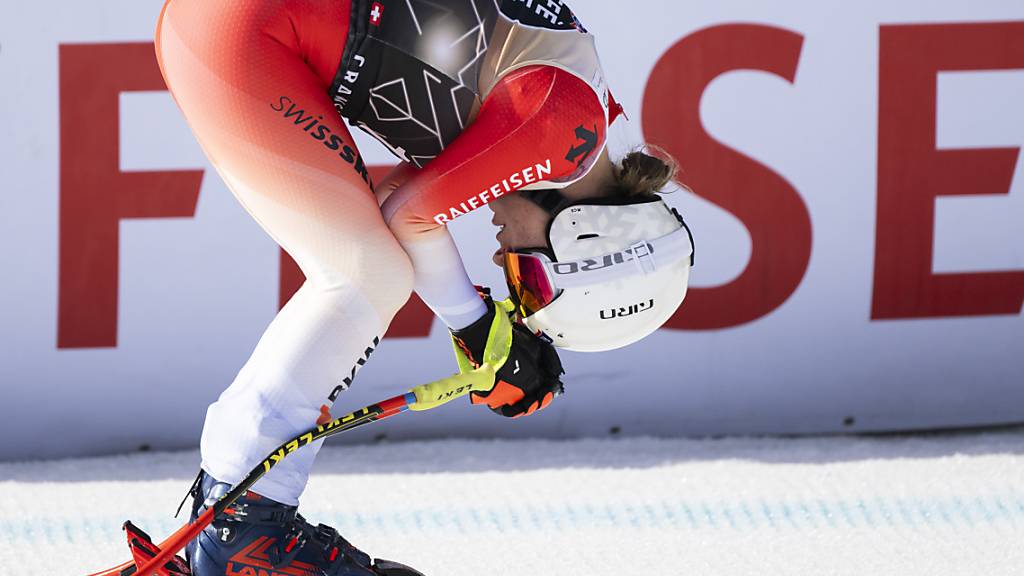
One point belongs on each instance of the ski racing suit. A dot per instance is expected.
(479, 98)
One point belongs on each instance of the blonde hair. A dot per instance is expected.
(641, 175)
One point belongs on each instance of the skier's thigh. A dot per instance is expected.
(260, 110)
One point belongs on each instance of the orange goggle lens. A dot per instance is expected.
(528, 282)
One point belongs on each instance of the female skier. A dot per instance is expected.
(487, 102)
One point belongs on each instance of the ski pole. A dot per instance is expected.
(159, 560)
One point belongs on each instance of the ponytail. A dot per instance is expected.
(642, 175)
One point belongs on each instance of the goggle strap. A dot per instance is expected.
(668, 249)
(644, 258)
(549, 199)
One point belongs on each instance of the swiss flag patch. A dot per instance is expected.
(376, 13)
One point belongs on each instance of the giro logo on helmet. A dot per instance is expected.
(627, 311)
(591, 264)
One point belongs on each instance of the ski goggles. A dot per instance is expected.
(529, 284)
(535, 279)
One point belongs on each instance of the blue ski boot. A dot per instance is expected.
(263, 537)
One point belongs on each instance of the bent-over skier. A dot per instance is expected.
(487, 102)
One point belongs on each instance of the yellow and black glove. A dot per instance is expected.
(527, 367)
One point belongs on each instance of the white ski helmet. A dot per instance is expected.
(614, 271)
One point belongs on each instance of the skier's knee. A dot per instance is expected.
(381, 269)
(390, 278)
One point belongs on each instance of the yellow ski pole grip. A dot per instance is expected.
(445, 390)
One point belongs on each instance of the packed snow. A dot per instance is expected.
(906, 505)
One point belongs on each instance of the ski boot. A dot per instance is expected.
(261, 536)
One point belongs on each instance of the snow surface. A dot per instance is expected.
(935, 505)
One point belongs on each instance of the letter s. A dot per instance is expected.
(516, 180)
(282, 100)
(775, 216)
(348, 154)
(334, 143)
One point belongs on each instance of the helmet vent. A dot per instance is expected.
(587, 236)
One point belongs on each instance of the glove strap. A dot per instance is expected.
(498, 343)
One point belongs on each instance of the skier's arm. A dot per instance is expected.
(394, 180)
(522, 134)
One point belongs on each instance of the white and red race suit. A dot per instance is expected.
(480, 98)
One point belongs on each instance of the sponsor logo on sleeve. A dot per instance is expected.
(585, 144)
(513, 182)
